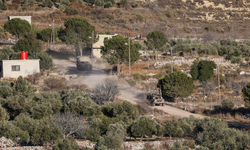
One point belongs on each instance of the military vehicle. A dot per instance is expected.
(155, 98)
(83, 63)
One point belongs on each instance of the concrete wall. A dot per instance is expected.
(27, 18)
(26, 67)
(97, 45)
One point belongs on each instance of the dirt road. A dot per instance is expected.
(92, 78)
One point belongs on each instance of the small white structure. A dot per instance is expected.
(16, 68)
(27, 18)
(97, 46)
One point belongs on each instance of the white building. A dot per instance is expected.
(16, 68)
(97, 46)
(27, 18)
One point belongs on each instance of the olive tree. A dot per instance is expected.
(143, 126)
(202, 70)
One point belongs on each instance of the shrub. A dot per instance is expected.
(64, 2)
(114, 137)
(8, 130)
(136, 76)
(159, 75)
(3, 6)
(71, 10)
(139, 17)
(108, 5)
(46, 61)
(67, 144)
(99, 3)
(33, 78)
(131, 82)
(135, 5)
(168, 67)
(55, 83)
(47, 3)
(227, 104)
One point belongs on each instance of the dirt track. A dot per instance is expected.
(91, 78)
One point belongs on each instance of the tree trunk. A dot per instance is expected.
(141, 138)
(155, 54)
(118, 67)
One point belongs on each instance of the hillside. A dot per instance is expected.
(177, 18)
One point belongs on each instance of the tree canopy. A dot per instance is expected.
(156, 40)
(176, 84)
(17, 27)
(116, 52)
(246, 95)
(77, 32)
(202, 70)
(28, 43)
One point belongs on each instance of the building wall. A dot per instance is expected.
(27, 18)
(97, 45)
(27, 67)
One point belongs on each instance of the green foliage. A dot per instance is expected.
(39, 130)
(123, 2)
(114, 137)
(28, 43)
(116, 52)
(246, 94)
(143, 126)
(77, 32)
(202, 70)
(131, 82)
(227, 104)
(99, 3)
(76, 101)
(8, 130)
(139, 17)
(120, 110)
(64, 2)
(177, 146)
(47, 3)
(4, 115)
(93, 131)
(176, 84)
(71, 10)
(168, 67)
(3, 6)
(17, 27)
(156, 40)
(46, 61)
(67, 144)
(44, 35)
(108, 5)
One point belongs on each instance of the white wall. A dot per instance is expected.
(27, 67)
(27, 18)
(98, 44)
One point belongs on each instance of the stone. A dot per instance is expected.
(4, 142)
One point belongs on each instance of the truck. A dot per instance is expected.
(83, 63)
(155, 98)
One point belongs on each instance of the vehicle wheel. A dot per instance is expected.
(163, 104)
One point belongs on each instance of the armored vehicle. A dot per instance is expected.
(155, 98)
(83, 63)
